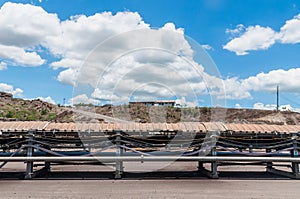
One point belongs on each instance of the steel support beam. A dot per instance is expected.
(269, 164)
(214, 165)
(294, 154)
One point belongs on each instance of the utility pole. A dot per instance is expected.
(277, 107)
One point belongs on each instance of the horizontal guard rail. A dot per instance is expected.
(150, 159)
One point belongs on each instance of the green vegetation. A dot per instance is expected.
(27, 114)
(9, 114)
(44, 111)
(32, 110)
(51, 116)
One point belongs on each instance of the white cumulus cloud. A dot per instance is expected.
(288, 80)
(254, 38)
(133, 63)
(237, 89)
(23, 27)
(68, 76)
(47, 99)
(20, 56)
(238, 106)
(285, 107)
(262, 106)
(83, 98)
(130, 64)
(290, 32)
(234, 89)
(10, 89)
(243, 40)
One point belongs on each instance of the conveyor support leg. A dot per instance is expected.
(119, 153)
(29, 164)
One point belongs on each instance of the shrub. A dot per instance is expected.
(9, 114)
(44, 111)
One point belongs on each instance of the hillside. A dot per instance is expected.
(140, 113)
(33, 110)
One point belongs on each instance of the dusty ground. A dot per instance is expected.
(202, 188)
(75, 182)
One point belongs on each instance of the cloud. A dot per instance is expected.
(20, 56)
(183, 103)
(237, 89)
(23, 27)
(234, 90)
(143, 73)
(240, 28)
(108, 97)
(47, 99)
(83, 98)
(286, 107)
(288, 80)
(262, 38)
(127, 58)
(156, 51)
(3, 65)
(238, 106)
(262, 106)
(66, 63)
(290, 32)
(67, 77)
(19, 25)
(95, 29)
(133, 63)
(207, 47)
(254, 38)
(10, 89)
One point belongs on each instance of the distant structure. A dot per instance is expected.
(164, 103)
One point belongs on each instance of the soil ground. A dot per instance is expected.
(97, 182)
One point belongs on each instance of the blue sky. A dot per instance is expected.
(254, 44)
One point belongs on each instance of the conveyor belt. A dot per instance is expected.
(146, 127)
(209, 142)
